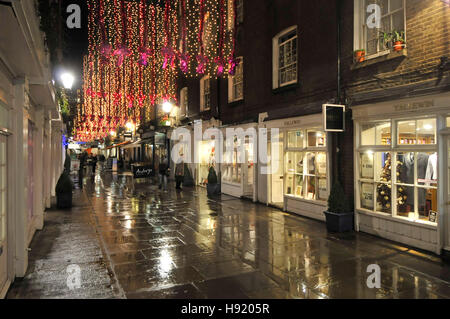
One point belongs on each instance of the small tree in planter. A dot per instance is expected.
(213, 188)
(63, 191)
(339, 216)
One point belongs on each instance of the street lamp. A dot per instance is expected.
(167, 107)
(67, 80)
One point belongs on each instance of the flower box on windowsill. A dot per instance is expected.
(385, 57)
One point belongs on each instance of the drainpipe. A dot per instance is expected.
(336, 176)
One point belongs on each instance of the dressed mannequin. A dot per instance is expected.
(431, 173)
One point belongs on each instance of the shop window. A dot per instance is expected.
(233, 168)
(306, 175)
(316, 139)
(285, 58)
(376, 181)
(422, 132)
(295, 139)
(236, 83)
(376, 134)
(367, 36)
(205, 93)
(416, 184)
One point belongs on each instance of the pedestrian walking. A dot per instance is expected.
(179, 174)
(163, 173)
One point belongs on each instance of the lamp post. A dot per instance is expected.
(67, 80)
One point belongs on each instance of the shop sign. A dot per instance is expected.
(142, 171)
(334, 118)
(413, 106)
(367, 195)
(367, 166)
(433, 216)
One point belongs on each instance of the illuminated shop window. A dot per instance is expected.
(305, 167)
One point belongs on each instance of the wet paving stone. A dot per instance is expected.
(154, 244)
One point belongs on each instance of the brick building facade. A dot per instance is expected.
(402, 79)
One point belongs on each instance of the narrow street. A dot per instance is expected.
(132, 240)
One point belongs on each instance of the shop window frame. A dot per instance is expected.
(394, 149)
(305, 150)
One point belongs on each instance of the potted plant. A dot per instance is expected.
(398, 39)
(339, 216)
(63, 191)
(387, 39)
(360, 55)
(213, 188)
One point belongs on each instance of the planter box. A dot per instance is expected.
(339, 223)
(64, 200)
(213, 189)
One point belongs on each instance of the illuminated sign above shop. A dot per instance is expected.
(334, 118)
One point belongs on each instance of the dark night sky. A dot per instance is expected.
(76, 41)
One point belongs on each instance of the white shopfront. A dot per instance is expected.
(298, 179)
(239, 161)
(205, 150)
(402, 171)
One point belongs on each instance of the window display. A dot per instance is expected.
(376, 134)
(207, 159)
(404, 184)
(417, 132)
(306, 171)
(232, 168)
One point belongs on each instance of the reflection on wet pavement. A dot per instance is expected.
(184, 245)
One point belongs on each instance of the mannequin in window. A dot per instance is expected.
(431, 173)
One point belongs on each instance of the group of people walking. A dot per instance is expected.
(164, 172)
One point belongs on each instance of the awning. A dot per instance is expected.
(132, 145)
(118, 145)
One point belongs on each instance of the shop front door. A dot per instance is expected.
(3, 220)
(277, 174)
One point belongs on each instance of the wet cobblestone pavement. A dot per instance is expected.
(184, 245)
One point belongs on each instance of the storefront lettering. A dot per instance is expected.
(413, 106)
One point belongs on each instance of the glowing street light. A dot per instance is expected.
(67, 80)
(167, 107)
(129, 126)
(112, 133)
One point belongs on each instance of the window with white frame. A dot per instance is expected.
(398, 171)
(184, 102)
(236, 83)
(239, 12)
(306, 165)
(285, 58)
(205, 93)
(367, 35)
